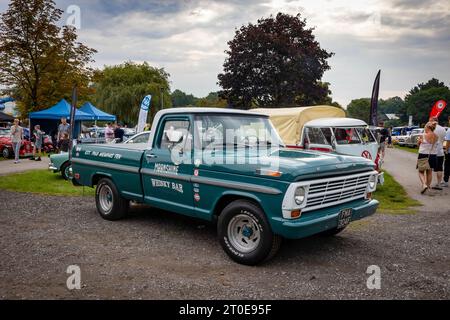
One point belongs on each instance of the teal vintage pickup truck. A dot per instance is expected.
(230, 167)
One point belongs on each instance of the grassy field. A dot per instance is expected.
(44, 182)
(412, 150)
(393, 197)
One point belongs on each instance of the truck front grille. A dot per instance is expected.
(329, 192)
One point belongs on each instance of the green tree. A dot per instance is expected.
(420, 100)
(276, 62)
(181, 99)
(40, 61)
(359, 109)
(212, 100)
(121, 88)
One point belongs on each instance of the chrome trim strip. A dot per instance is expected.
(107, 165)
(235, 185)
(150, 172)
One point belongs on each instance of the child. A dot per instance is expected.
(64, 143)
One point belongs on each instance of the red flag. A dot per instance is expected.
(438, 107)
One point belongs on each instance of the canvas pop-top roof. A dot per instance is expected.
(289, 122)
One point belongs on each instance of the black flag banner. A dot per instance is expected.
(72, 119)
(374, 101)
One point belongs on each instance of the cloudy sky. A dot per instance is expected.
(409, 40)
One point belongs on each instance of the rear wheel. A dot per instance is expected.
(110, 204)
(245, 233)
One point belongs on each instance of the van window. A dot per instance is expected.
(316, 136)
(346, 136)
(365, 135)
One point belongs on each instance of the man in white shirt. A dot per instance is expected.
(440, 132)
(447, 157)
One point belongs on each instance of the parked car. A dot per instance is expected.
(257, 190)
(60, 163)
(412, 140)
(142, 137)
(6, 147)
(400, 134)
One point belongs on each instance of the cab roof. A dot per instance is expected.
(209, 110)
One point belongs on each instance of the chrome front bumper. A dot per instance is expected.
(52, 167)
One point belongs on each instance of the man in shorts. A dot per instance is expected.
(439, 168)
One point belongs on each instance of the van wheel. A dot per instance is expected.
(110, 204)
(245, 233)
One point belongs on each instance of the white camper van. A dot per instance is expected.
(325, 129)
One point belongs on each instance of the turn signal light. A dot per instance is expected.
(77, 176)
(369, 195)
(296, 214)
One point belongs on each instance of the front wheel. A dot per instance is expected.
(245, 233)
(110, 204)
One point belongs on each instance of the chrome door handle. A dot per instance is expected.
(151, 156)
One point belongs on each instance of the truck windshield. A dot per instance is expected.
(346, 136)
(235, 130)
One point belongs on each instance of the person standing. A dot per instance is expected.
(16, 139)
(384, 133)
(118, 133)
(447, 157)
(427, 150)
(38, 141)
(63, 128)
(440, 133)
(109, 133)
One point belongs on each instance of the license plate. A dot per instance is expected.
(345, 216)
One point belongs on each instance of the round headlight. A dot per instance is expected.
(299, 196)
(372, 182)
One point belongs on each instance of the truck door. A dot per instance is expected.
(167, 167)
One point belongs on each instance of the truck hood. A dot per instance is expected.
(294, 165)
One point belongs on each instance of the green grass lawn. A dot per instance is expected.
(44, 182)
(393, 197)
(412, 150)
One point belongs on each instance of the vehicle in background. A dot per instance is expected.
(230, 167)
(412, 140)
(325, 129)
(128, 133)
(60, 162)
(6, 147)
(400, 134)
(142, 137)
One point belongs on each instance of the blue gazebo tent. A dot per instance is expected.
(98, 114)
(50, 118)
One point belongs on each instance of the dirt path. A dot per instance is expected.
(8, 166)
(402, 166)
